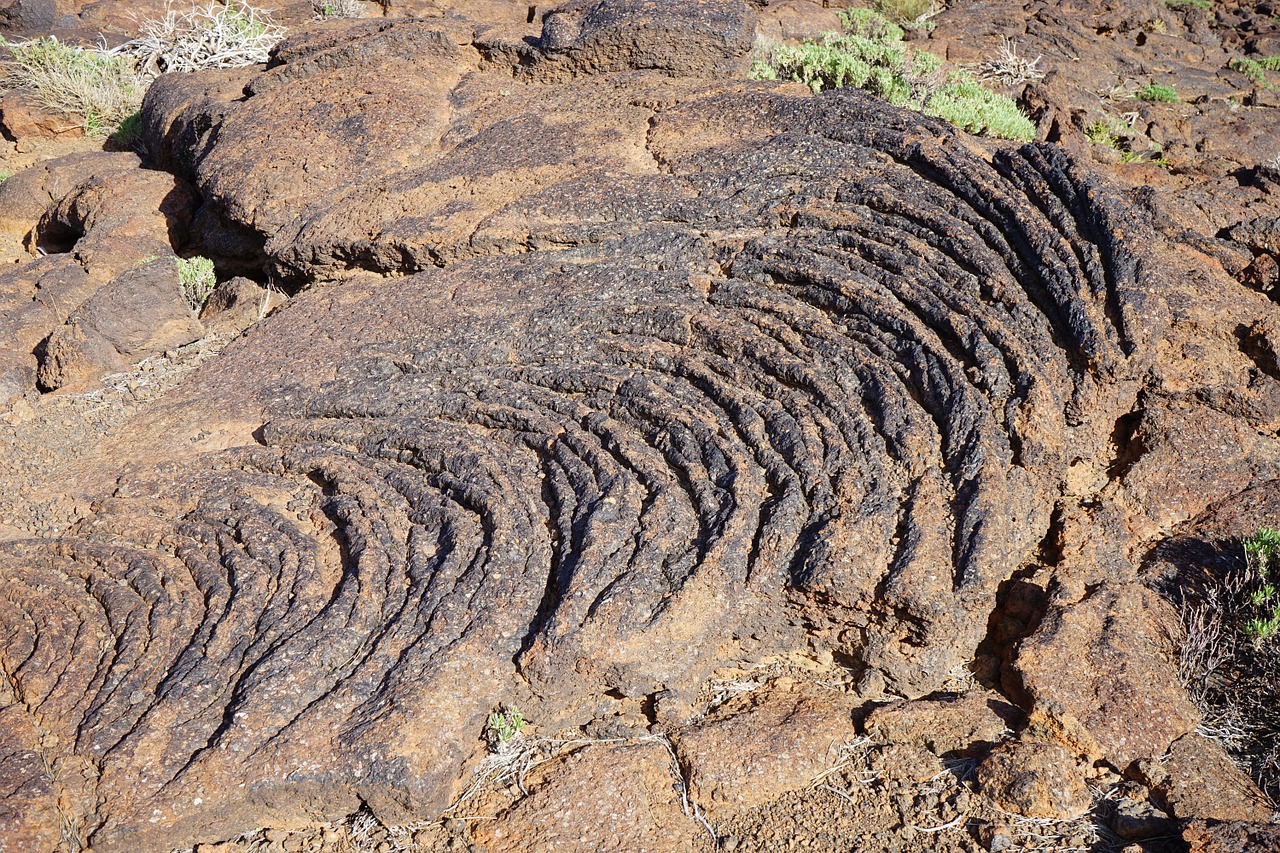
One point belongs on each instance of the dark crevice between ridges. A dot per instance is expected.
(1045, 282)
(1071, 201)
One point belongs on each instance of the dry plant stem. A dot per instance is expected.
(214, 37)
(1010, 69)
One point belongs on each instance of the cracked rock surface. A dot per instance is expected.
(607, 371)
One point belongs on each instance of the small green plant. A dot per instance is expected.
(197, 278)
(969, 105)
(1256, 69)
(1262, 552)
(505, 727)
(4, 176)
(1260, 629)
(1158, 93)
(129, 132)
(1107, 132)
(871, 54)
(1262, 565)
(1203, 5)
(1229, 656)
(101, 88)
(1118, 136)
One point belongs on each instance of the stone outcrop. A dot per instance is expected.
(605, 370)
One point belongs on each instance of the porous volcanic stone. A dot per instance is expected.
(1037, 780)
(1108, 661)
(592, 386)
(600, 798)
(965, 724)
(1204, 782)
(1208, 836)
(775, 741)
(99, 236)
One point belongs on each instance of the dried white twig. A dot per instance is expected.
(1010, 69)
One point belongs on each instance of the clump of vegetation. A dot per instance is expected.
(326, 9)
(1008, 68)
(1262, 554)
(1229, 657)
(1108, 132)
(1203, 5)
(1157, 93)
(101, 87)
(128, 133)
(1118, 136)
(505, 728)
(197, 278)
(871, 55)
(105, 87)
(1256, 69)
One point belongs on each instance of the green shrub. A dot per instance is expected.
(197, 278)
(1155, 92)
(1107, 132)
(1256, 69)
(101, 88)
(1262, 604)
(1203, 5)
(105, 88)
(968, 104)
(871, 55)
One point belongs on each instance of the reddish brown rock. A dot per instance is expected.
(599, 798)
(774, 741)
(594, 384)
(139, 314)
(238, 303)
(72, 354)
(964, 725)
(25, 196)
(22, 118)
(1108, 661)
(1203, 782)
(1037, 780)
(1208, 836)
(97, 237)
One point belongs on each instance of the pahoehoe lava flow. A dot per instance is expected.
(827, 379)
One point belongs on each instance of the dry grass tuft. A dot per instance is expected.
(1229, 658)
(203, 37)
(326, 9)
(94, 85)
